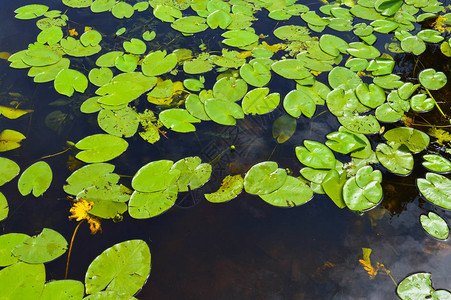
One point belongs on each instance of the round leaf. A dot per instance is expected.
(155, 176)
(435, 225)
(257, 101)
(316, 155)
(36, 178)
(8, 170)
(193, 173)
(437, 189)
(100, 148)
(292, 193)
(223, 112)
(67, 80)
(147, 205)
(22, 281)
(7, 243)
(432, 79)
(415, 286)
(231, 187)
(264, 178)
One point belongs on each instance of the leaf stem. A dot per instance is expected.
(436, 104)
(70, 248)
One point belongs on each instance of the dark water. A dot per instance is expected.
(244, 249)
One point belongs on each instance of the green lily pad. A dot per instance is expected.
(126, 63)
(100, 76)
(48, 73)
(388, 7)
(361, 50)
(102, 5)
(344, 142)
(196, 108)
(100, 148)
(157, 63)
(230, 88)
(75, 48)
(219, 18)
(239, 38)
(437, 163)
(42, 248)
(415, 286)
(231, 187)
(421, 103)
(50, 35)
(292, 33)
(430, 36)
(264, 178)
(414, 139)
(36, 178)
(108, 59)
(395, 157)
(4, 208)
(122, 10)
(333, 45)
(344, 78)
(257, 101)
(384, 26)
(99, 174)
(256, 74)
(10, 140)
(178, 119)
(367, 124)
(381, 66)
(363, 191)
(413, 44)
(370, 95)
(436, 188)
(39, 57)
(122, 122)
(155, 176)
(148, 205)
(77, 3)
(316, 155)
(22, 281)
(332, 185)
(8, 170)
(432, 79)
(8, 242)
(223, 111)
(192, 84)
(292, 193)
(290, 69)
(167, 13)
(190, 25)
(90, 38)
(63, 289)
(193, 173)
(435, 225)
(67, 81)
(123, 268)
(135, 46)
(385, 113)
(30, 11)
(149, 36)
(297, 103)
(406, 90)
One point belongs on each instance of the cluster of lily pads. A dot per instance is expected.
(361, 91)
(118, 273)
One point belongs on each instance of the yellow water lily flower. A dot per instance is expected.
(79, 212)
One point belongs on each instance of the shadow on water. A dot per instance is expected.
(243, 249)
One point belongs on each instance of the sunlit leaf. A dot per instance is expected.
(22, 281)
(63, 289)
(4, 208)
(7, 243)
(264, 178)
(178, 119)
(257, 101)
(315, 155)
(144, 205)
(292, 193)
(395, 157)
(435, 225)
(432, 79)
(437, 189)
(100, 148)
(67, 81)
(122, 268)
(155, 176)
(230, 188)
(415, 286)
(223, 111)
(193, 173)
(36, 178)
(437, 163)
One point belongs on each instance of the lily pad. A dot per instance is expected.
(36, 178)
(30, 11)
(8, 170)
(290, 69)
(395, 157)
(178, 119)
(77, 3)
(122, 10)
(344, 78)
(8, 242)
(39, 57)
(332, 185)
(67, 81)
(45, 247)
(190, 25)
(99, 174)
(123, 268)
(366, 124)
(230, 88)
(100, 148)
(122, 122)
(193, 173)
(432, 79)
(297, 103)
(414, 139)
(231, 187)
(292, 193)
(283, 128)
(437, 189)
(239, 38)
(148, 205)
(155, 176)
(363, 191)
(90, 38)
(264, 178)
(256, 74)
(223, 111)
(100, 76)
(4, 208)
(157, 63)
(257, 101)
(437, 163)
(50, 35)
(435, 225)
(10, 139)
(22, 281)
(316, 155)
(63, 289)
(415, 286)
(344, 142)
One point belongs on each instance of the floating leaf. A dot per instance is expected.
(100, 76)
(239, 38)
(362, 50)
(344, 142)
(10, 139)
(414, 139)
(99, 174)
(63, 289)
(343, 78)
(77, 3)
(437, 189)
(257, 101)
(102, 5)
(219, 18)
(223, 112)
(126, 63)
(4, 208)
(190, 25)
(123, 268)
(39, 57)
(415, 286)
(332, 185)
(155, 176)
(231, 187)
(148, 205)
(360, 124)
(100, 148)
(437, 163)
(264, 178)
(45, 247)
(292, 193)
(122, 122)
(90, 38)
(108, 59)
(363, 191)
(8, 242)
(290, 69)
(395, 157)
(193, 173)
(157, 63)
(135, 46)
(36, 178)
(178, 119)
(8, 170)
(370, 95)
(22, 281)
(315, 155)
(50, 35)
(67, 81)
(230, 88)
(31, 11)
(432, 79)
(297, 102)
(48, 73)
(332, 45)
(256, 74)
(167, 13)
(435, 225)
(122, 10)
